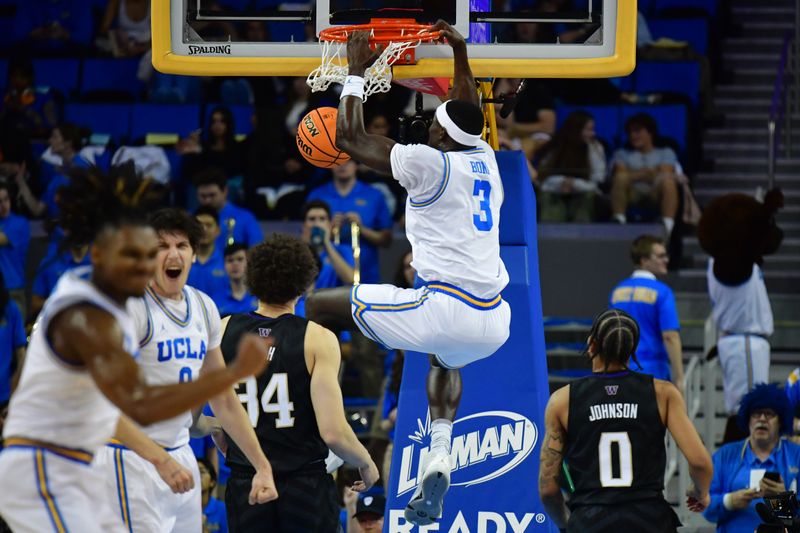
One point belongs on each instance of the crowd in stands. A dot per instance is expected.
(84, 93)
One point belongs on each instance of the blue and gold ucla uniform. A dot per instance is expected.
(452, 223)
(652, 304)
(54, 487)
(174, 337)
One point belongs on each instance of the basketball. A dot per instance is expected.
(316, 138)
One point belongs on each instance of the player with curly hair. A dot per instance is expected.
(295, 405)
(606, 431)
(80, 381)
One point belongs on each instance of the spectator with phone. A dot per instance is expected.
(337, 263)
(764, 464)
(353, 201)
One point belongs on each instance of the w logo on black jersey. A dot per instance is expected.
(611, 390)
(264, 332)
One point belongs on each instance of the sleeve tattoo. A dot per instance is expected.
(552, 455)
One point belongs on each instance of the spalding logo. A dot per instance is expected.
(485, 446)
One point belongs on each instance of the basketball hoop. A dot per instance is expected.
(399, 38)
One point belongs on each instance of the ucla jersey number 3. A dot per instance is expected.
(482, 190)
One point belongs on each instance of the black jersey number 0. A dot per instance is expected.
(609, 443)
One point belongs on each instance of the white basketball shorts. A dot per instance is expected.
(142, 500)
(53, 489)
(438, 319)
(745, 363)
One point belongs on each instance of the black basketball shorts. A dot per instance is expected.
(307, 503)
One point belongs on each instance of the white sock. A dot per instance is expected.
(441, 435)
(620, 217)
(669, 223)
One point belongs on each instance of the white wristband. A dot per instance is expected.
(726, 501)
(353, 86)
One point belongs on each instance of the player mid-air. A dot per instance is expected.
(456, 313)
(80, 370)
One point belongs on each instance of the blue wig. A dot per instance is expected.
(766, 396)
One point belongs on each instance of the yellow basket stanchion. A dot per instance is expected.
(490, 124)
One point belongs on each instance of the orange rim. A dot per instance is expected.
(382, 31)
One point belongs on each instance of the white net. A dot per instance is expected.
(377, 78)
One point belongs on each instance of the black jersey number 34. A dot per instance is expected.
(275, 399)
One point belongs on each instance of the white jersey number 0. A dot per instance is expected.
(604, 449)
(278, 387)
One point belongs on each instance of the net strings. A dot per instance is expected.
(377, 78)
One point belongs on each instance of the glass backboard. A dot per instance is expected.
(509, 38)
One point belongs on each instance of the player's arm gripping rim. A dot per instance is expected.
(231, 414)
(372, 150)
(322, 347)
(552, 457)
(463, 80)
(87, 335)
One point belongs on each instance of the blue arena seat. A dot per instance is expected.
(692, 30)
(3, 73)
(680, 77)
(671, 119)
(175, 160)
(164, 118)
(7, 37)
(606, 120)
(707, 6)
(242, 116)
(235, 5)
(111, 76)
(60, 74)
(645, 7)
(111, 119)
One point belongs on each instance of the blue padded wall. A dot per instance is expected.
(499, 426)
(111, 119)
(181, 119)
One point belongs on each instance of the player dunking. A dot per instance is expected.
(609, 429)
(80, 370)
(295, 405)
(179, 334)
(456, 313)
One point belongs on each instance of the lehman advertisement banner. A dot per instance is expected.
(499, 426)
